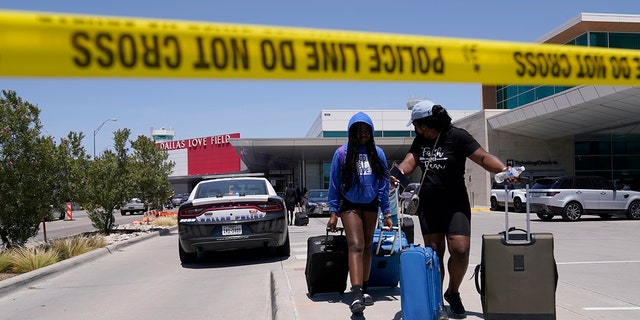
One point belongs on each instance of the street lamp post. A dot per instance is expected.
(96, 132)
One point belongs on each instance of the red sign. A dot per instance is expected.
(205, 155)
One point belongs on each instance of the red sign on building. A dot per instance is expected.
(202, 156)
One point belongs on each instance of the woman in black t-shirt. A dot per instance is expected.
(444, 210)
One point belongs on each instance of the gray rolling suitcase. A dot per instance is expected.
(517, 275)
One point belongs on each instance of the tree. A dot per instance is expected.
(116, 176)
(109, 182)
(151, 171)
(26, 168)
(37, 174)
(71, 161)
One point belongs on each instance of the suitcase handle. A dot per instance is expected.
(476, 275)
(338, 229)
(506, 218)
(396, 237)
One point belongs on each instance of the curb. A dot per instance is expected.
(280, 294)
(23, 281)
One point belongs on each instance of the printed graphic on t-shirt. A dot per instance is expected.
(363, 165)
(436, 158)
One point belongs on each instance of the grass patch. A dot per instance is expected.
(25, 259)
(5, 261)
(97, 241)
(166, 221)
(77, 245)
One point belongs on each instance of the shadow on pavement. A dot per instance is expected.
(231, 258)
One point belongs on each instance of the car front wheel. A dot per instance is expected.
(494, 204)
(572, 211)
(518, 206)
(633, 212)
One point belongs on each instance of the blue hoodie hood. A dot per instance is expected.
(361, 117)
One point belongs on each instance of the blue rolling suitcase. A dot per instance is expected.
(420, 284)
(385, 260)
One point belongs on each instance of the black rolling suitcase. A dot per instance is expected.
(517, 275)
(327, 266)
(408, 228)
(302, 219)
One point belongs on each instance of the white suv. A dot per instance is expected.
(516, 196)
(574, 196)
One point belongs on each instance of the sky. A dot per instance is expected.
(277, 108)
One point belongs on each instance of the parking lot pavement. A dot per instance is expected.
(597, 272)
(597, 265)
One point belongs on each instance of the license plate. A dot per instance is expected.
(231, 230)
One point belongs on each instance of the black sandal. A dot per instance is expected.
(357, 306)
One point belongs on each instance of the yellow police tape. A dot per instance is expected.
(38, 44)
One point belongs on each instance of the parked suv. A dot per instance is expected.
(516, 195)
(574, 196)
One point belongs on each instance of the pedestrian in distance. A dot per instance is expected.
(291, 201)
(299, 197)
(359, 185)
(304, 200)
(440, 150)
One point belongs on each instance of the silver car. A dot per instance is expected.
(574, 196)
(135, 205)
(317, 202)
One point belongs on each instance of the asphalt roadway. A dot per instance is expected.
(597, 265)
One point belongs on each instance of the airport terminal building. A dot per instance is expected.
(551, 130)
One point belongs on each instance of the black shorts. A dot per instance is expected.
(454, 222)
(346, 205)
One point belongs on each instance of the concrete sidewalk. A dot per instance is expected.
(23, 281)
(596, 265)
(291, 300)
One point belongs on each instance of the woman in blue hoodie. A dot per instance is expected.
(359, 184)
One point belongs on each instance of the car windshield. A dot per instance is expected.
(221, 188)
(318, 194)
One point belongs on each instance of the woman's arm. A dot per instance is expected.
(488, 161)
(409, 164)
